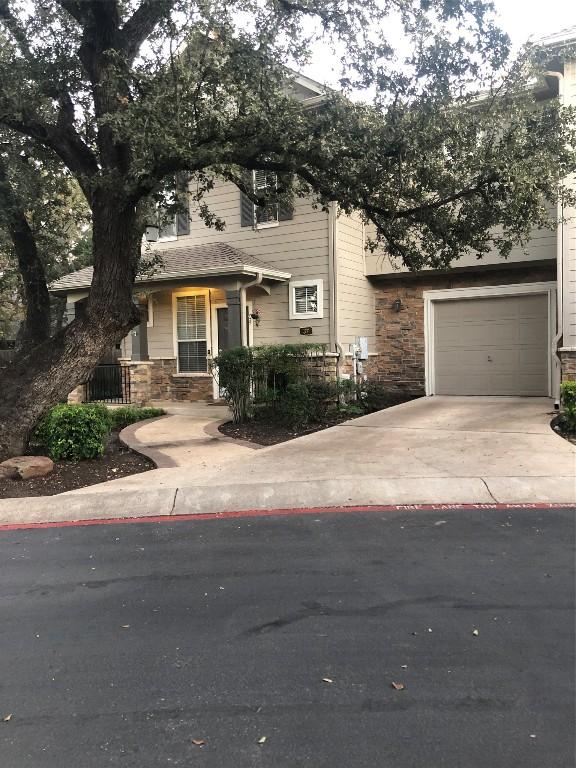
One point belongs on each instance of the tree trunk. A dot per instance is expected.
(43, 376)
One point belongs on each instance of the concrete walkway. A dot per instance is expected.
(454, 450)
(186, 437)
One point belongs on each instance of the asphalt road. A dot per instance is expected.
(122, 644)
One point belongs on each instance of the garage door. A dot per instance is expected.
(491, 346)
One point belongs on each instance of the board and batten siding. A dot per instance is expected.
(355, 310)
(298, 246)
(569, 309)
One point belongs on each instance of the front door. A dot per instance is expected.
(220, 337)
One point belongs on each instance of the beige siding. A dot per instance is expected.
(355, 295)
(541, 246)
(298, 246)
(570, 234)
(161, 334)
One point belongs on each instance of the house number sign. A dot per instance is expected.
(306, 331)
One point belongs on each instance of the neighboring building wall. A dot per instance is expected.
(355, 294)
(298, 246)
(400, 335)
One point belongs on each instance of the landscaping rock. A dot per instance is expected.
(25, 467)
(8, 473)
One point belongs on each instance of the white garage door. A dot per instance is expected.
(491, 346)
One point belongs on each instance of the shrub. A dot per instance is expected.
(568, 392)
(129, 414)
(74, 431)
(235, 375)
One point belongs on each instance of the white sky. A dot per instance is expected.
(521, 19)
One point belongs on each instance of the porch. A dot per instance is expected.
(198, 302)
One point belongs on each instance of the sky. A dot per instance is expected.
(521, 19)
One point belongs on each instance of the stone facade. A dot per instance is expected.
(166, 384)
(140, 380)
(568, 359)
(77, 395)
(400, 335)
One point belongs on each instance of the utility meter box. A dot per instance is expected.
(362, 345)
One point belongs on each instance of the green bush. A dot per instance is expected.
(74, 431)
(568, 392)
(130, 414)
(235, 376)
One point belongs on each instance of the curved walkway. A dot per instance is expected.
(187, 436)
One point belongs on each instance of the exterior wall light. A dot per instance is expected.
(396, 305)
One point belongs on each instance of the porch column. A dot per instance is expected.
(140, 335)
(234, 301)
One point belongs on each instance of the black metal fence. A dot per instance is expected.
(110, 383)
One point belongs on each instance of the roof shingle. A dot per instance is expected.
(192, 261)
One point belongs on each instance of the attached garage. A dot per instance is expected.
(492, 344)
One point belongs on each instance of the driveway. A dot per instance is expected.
(454, 450)
(435, 449)
(274, 642)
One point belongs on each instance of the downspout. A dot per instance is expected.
(333, 283)
(243, 323)
(559, 271)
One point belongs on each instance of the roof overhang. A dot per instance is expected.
(237, 270)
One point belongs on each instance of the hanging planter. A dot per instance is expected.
(256, 316)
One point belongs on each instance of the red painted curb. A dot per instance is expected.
(278, 513)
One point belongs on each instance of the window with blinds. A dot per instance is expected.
(265, 182)
(191, 334)
(306, 299)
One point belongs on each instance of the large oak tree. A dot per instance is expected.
(439, 145)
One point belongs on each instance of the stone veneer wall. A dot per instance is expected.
(568, 366)
(400, 335)
(166, 384)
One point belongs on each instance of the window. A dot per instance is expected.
(263, 216)
(306, 299)
(264, 184)
(173, 225)
(191, 333)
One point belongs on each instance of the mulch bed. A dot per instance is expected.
(117, 461)
(271, 433)
(558, 427)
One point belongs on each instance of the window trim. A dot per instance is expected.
(191, 292)
(318, 283)
(150, 312)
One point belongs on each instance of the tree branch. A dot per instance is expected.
(141, 24)
(37, 322)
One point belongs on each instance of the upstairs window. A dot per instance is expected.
(175, 225)
(306, 299)
(263, 216)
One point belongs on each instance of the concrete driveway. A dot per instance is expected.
(439, 450)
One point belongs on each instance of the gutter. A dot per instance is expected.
(333, 283)
(243, 323)
(556, 359)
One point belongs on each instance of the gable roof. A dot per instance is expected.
(177, 263)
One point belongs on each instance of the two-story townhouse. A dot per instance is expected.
(488, 327)
(272, 276)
